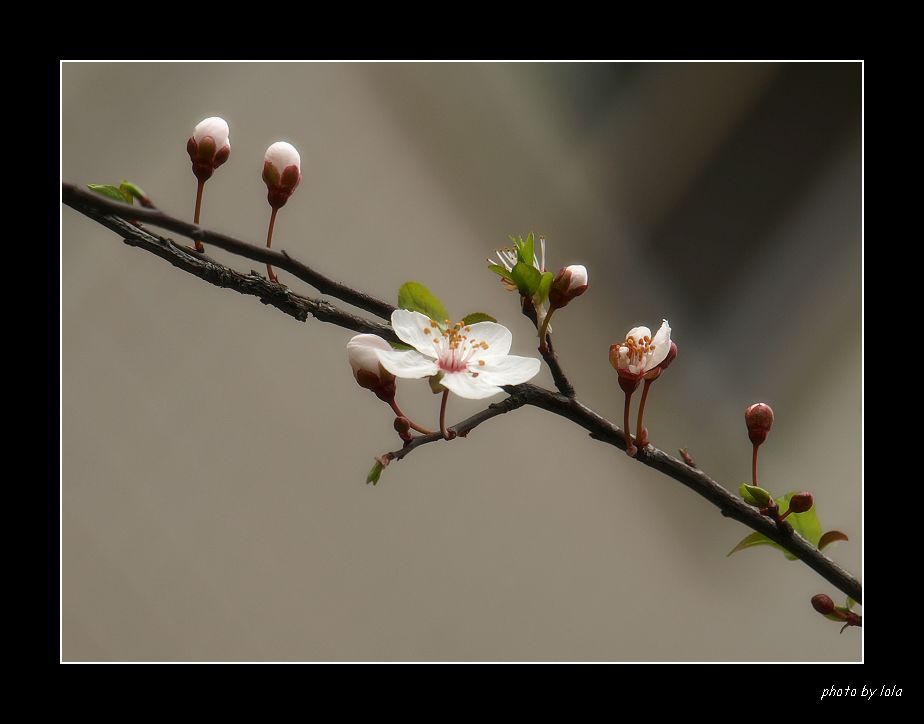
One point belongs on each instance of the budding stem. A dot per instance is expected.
(641, 408)
(269, 242)
(754, 465)
(200, 247)
(414, 425)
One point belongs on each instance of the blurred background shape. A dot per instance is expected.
(215, 450)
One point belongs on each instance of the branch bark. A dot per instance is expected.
(562, 403)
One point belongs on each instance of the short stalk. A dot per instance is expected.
(269, 242)
(414, 425)
(200, 247)
(443, 430)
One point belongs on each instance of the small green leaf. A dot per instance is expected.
(832, 536)
(755, 495)
(545, 284)
(132, 191)
(375, 473)
(850, 603)
(476, 317)
(527, 278)
(525, 250)
(111, 192)
(416, 297)
(500, 271)
(400, 345)
(755, 539)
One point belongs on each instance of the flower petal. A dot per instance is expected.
(638, 333)
(662, 345)
(407, 363)
(464, 385)
(361, 352)
(410, 326)
(509, 370)
(496, 336)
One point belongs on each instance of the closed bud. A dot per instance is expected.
(569, 283)
(367, 369)
(823, 604)
(282, 172)
(801, 502)
(208, 147)
(759, 419)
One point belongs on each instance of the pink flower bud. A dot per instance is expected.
(282, 172)
(367, 369)
(208, 147)
(759, 419)
(569, 283)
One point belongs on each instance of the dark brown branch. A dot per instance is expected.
(82, 200)
(562, 404)
(275, 295)
(548, 353)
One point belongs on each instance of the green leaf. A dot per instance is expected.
(375, 473)
(111, 192)
(131, 190)
(476, 317)
(527, 278)
(525, 250)
(806, 524)
(400, 345)
(832, 536)
(416, 297)
(755, 495)
(850, 603)
(545, 284)
(500, 271)
(755, 539)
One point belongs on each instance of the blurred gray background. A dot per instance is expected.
(215, 450)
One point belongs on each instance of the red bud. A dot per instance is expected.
(759, 419)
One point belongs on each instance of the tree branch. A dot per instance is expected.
(83, 200)
(548, 353)
(563, 404)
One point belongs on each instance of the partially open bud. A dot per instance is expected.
(282, 172)
(367, 369)
(665, 363)
(569, 283)
(759, 419)
(208, 147)
(823, 604)
(801, 502)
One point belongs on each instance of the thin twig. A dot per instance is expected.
(562, 403)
